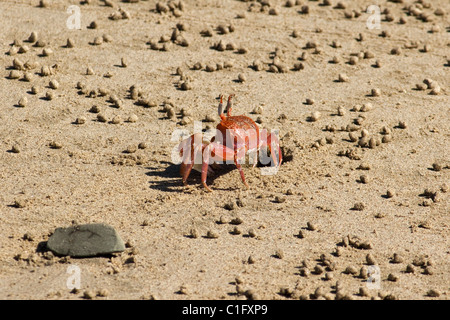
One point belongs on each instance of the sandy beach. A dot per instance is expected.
(95, 94)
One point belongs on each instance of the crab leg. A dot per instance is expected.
(271, 141)
(241, 172)
(191, 149)
(216, 152)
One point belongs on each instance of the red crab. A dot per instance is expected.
(235, 137)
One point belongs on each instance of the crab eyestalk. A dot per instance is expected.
(227, 112)
(220, 108)
(229, 105)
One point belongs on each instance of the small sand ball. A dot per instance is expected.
(95, 109)
(103, 293)
(298, 66)
(390, 193)
(435, 91)
(35, 90)
(375, 92)
(437, 166)
(88, 294)
(279, 254)
(242, 50)
(44, 3)
(24, 49)
(15, 149)
(364, 179)
(14, 74)
(428, 270)
(33, 37)
(252, 233)
(392, 277)
(366, 107)
(18, 64)
(170, 113)
(340, 111)
(335, 60)
(55, 145)
(28, 77)
(409, 268)
(311, 226)
(89, 71)
(101, 118)
(193, 233)
(397, 258)
(351, 270)
(304, 10)
(116, 119)
(370, 259)
(80, 120)
(133, 118)
(363, 141)
(353, 60)
(421, 86)
(309, 101)
(368, 55)
(47, 52)
(185, 86)
(273, 11)
(433, 293)
(402, 124)
(131, 149)
(352, 137)
(107, 38)
(396, 51)
(363, 272)
(53, 84)
(49, 95)
(343, 77)
(70, 43)
(142, 145)
(315, 116)
(426, 48)
(364, 133)
(257, 110)
(97, 41)
(236, 231)
(359, 206)
(211, 234)
(93, 25)
(228, 64)
(374, 142)
(23, 102)
(242, 78)
(387, 138)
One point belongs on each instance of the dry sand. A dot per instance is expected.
(90, 178)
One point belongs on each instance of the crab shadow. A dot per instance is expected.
(168, 178)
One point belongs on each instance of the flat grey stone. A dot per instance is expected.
(87, 240)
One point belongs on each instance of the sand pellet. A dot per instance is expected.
(23, 102)
(211, 234)
(49, 95)
(311, 226)
(116, 119)
(343, 77)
